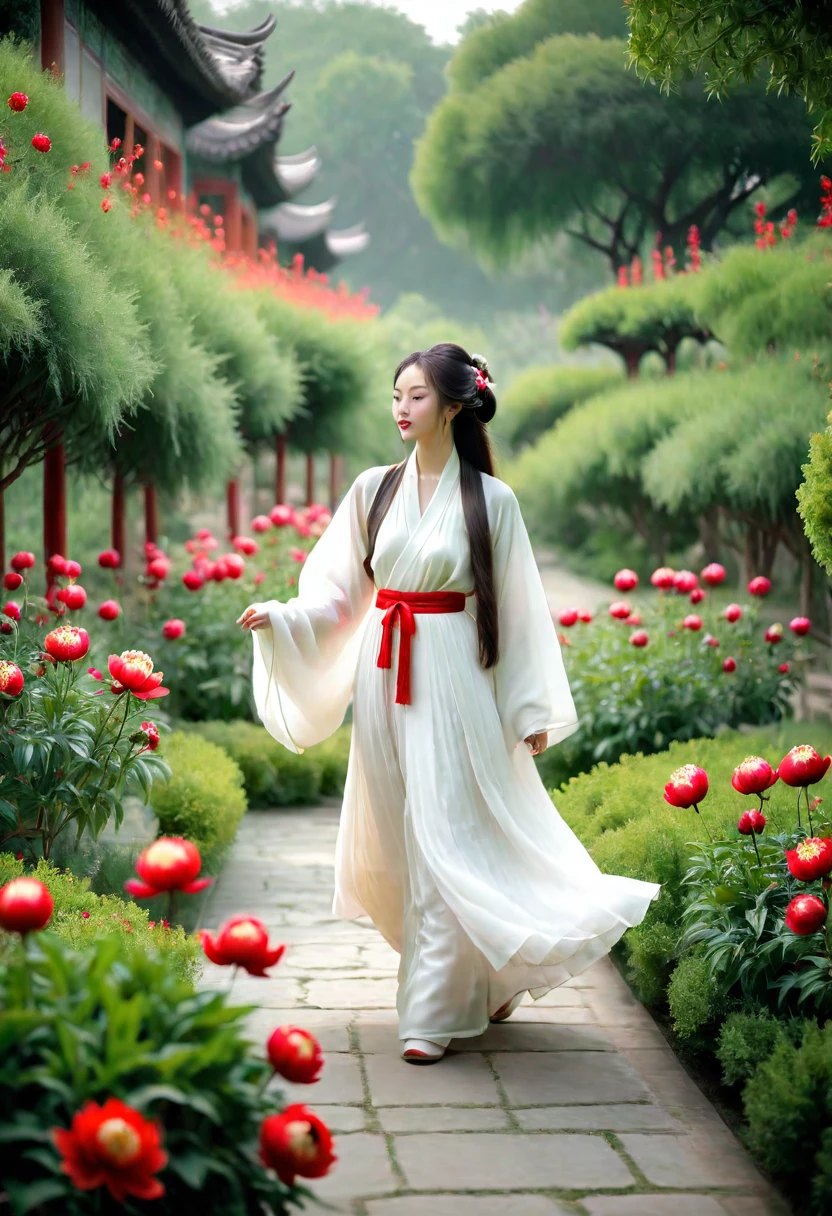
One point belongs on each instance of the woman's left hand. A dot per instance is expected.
(254, 617)
(537, 743)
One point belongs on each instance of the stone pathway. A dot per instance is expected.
(576, 1105)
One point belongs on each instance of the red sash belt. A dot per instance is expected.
(401, 605)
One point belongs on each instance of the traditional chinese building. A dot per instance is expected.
(191, 95)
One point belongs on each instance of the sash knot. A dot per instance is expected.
(401, 606)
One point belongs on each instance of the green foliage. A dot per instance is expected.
(788, 1106)
(527, 150)
(814, 497)
(746, 1039)
(203, 800)
(694, 1000)
(115, 1022)
(81, 918)
(538, 397)
(790, 45)
(273, 775)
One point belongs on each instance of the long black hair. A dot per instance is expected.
(452, 372)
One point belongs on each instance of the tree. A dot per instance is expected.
(790, 44)
(566, 137)
(538, 397)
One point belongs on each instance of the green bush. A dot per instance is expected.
(693, 997)
(73, 898)
(273, 775)
(747, 1039)
(114, 1022)
(540, 395)
(204, 800)
(788, 1106)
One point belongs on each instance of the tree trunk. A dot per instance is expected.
(670, 361)
(807, 579)
(632, 359)
(54, 504)
(280, 479)
(709, 536)
(2, 531)
(232, 500)
(769, 542)
(151, 515)
(118, 520)
(310, 478)
(752, 552)
(334, 478)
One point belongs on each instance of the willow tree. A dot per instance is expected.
(562, 136)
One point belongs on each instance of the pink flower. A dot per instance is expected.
(41, 143)
(714, 574)
(12, 580)
(22, 561)
(173, 629)
(753, 776)
(685, 581)
(697, 595)
(261, 523)
(759, 585)
(281, 515)
(109, 559)
(298, 555)
(109, 610)
(663, 578)
(733, 612)
(192, 580)
(132, 671)
(12, 611)
(626, 580)
(639, 638)
(568, 617)
(18, 102)
(620, 610)
(751, 823)
(692, 622)
(687, 786)
(245, 545)
(800, 625)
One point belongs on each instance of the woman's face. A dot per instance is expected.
(416, 408)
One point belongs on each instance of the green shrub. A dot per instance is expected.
(114, 1022)
(204, 800)
(746, 1039)
(540, 395)
(651, 948)
(73, 898)
(273, 775)
(788, 1106)
(692, 995)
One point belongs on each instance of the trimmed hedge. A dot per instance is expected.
(204, 800)
(106, 913)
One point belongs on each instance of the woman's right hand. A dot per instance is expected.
(254, 617)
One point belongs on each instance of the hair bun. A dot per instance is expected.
(480, 362)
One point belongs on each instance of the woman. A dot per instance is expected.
(422, 600)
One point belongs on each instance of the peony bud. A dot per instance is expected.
(585, 616)
(109, 559)
(18, 102)
(25, 904)
(12, 611)
(568, 617)
(784, 669)
(733, 613)
(639, 638)
(729, 664)
(774, 633)
(800, 625)
(109, 610)
(192, 580)
(626, 580)
(41, 143)
(751, 823)
(22, 561)
(620, 610)
(684, 581)
(759, 585)
(697, 595)
(12, 580)
(692, 622)
(71, 569)
(261, 523)
(714, 574)
(663, 578)
(173, 629)
(74, 596)
(11, 679)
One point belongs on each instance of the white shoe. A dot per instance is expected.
(422, 1051)
(505, 1011)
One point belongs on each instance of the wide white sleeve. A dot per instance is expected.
(530, 682)
(304, 664)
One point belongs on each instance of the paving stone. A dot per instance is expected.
(443, 1119)
(323, 1023)
(754, 1205)
(652, 1205)
(565, 1015)
(494, 1161)
(339, 1082)
(339, 1118)
(468, 1205)
(568, 1077)
(604, 1117)
(556, 996)
(456, 1079)
(536, 1036)
(363, 1169)
(352, 994)
(690, 1161)
(635, 1038)
(265, 992)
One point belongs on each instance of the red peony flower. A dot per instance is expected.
(297, 555)
(810, 859)
(800, 625)
(25, 904)
(692, 622)
(733, 613)
(158, 568)
(774, 633)
(173, 629)
(697, 595)
(71, 569)
(109, 610)
(106, 204)
(12, 611)
(246, 545)
(151, 731)
(282, 515)
(67, 643)
(639, 638)
(169, 864)
(234, 564)
(109, 559)
(261, 523)
(11, 678)
(114, 1146)
(687, 786)
(244, 942)
(626, 580)
(805, 914)
(296, 1142)
(784, 669)
(751, 822)
(106, 180)
(41, 143)
(132, 671)
(663, 578)
(192, 580)
(713, 574)
(568, 617)
(685, 581)
(632, 619)
(22, 561)
(710, 640)
(759, 585)
(729, 664)
(18, 102)
(295, 1054)
(74, 596)
(12, 580)
(803, 766)
(218, 571)
(753, 776)
(620, 609)
(585, 616)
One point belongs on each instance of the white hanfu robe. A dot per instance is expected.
(448, 840)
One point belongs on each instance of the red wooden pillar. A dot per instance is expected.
(52, 35)
(118, 520)
(151, 515)
(54, 504)
(280, 476)
(232, 501)
(310, 478)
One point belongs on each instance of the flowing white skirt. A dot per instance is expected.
(449, 842)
